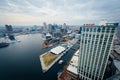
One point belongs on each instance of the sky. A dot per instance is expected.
(72, 12)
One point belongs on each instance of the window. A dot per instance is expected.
(102, 36)
(103, 30)
(87, 29)
(98, 30)
(94, 29)
(108, 29)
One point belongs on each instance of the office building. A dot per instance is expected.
(9, 31)
(95, 47)
(45, 27)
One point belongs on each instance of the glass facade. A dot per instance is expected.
(95, 47)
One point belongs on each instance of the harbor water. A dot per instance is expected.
(20, 60)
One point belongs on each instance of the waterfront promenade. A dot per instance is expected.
(70, 43)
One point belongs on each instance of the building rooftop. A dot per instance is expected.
(57, 50)
(74, 63)
(117, 48)
(48, 34)
(117, 64)
(77, 52)
(102, 25)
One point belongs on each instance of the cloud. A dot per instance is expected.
(58, 11)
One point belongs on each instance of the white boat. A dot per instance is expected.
(18, 41)
(60, 62)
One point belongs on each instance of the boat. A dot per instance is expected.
(60, 62)
(18, 41)
(4, 44)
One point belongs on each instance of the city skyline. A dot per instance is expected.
(73, 12)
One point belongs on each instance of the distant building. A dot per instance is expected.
(48, 36)
(65, 26)
(52, 28)
(45, 25)
(72, 35)
(77, 36)
(9, 31)
(45, 28)
(64, 30)
(9, 28)
(57, 34)
(95, 47)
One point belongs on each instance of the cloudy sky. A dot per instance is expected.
(76, 12)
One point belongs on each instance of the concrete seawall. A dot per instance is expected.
(44, 68)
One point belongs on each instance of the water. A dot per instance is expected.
(20, 61)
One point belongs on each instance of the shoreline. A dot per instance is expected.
(44, 68)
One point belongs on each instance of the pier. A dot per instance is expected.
(45, 68)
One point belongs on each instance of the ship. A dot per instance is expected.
(4, 44)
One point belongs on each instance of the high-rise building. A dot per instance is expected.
(9, 31)
(52, 28)
(9, 28)
(45, 27)
(95, 47)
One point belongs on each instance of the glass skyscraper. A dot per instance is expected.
(95, 47)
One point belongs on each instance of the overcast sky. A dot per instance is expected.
(76, 12)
